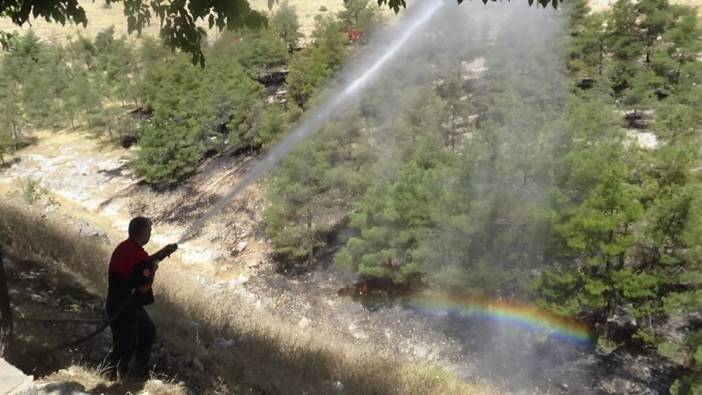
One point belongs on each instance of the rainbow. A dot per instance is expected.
(513, 314)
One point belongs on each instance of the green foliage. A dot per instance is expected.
(6, 144)
(624, 44)
(32, 192)
(359, 15)
(168, 152)
(285, 23)
(39, 71)
(194, 111)
(388, 223)
(271, 125)
(297, 199)
(179, 21)
(197, 110)
(312, 66)
(256, 50)
(11, 119)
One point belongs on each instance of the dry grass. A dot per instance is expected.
(93, 382)
(268, 355)
(100, 18)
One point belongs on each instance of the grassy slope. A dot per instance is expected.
(269, 355)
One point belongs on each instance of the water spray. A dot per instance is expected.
(317, 117)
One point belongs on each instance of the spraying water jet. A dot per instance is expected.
(358, 82)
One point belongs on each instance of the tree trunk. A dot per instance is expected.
(15, 136)
(6, 327)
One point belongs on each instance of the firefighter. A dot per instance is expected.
(130, 276)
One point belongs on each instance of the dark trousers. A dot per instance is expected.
(133, 334)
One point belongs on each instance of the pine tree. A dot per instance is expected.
(168, 152)
(82, 96)
(388, 223)
(285, 23)
(11, 119)
(312, 66)
(292, 218)
(624, 43)
(656, 18)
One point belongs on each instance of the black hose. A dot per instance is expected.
(101, 328)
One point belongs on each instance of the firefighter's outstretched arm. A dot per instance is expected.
(163, 253)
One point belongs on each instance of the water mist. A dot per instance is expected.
(358, 80)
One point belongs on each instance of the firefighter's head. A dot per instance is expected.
(140, 230)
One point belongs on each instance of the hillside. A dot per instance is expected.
(475, 198)
(223, 282)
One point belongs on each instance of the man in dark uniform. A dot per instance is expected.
(130, 276)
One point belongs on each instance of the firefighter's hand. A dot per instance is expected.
(171, 248)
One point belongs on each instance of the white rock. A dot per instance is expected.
(304, 322)
(357, 332)
(239, 281)
(240, 246)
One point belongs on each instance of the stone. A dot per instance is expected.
(223, 344)
(621, 323)
(61, 388)
(239, 281)
(197, 365)
(619, 385)
(304, 322)
(240, 247)
(357, 332)
(14, 382)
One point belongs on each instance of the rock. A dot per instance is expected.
(240, 247)
(223, 344)
(621, 324)
(14, 382)
(197, 365)
(253, 263)
(638, 119)
(85, 229)
(623, 373)
(646, 140)
(128, 140)
(421, 351)
(61, 388)
(239, 281)
(357, 332)
(619, 385)
(304, 322)
(585, 83)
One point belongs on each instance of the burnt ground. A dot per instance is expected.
(51, 308)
